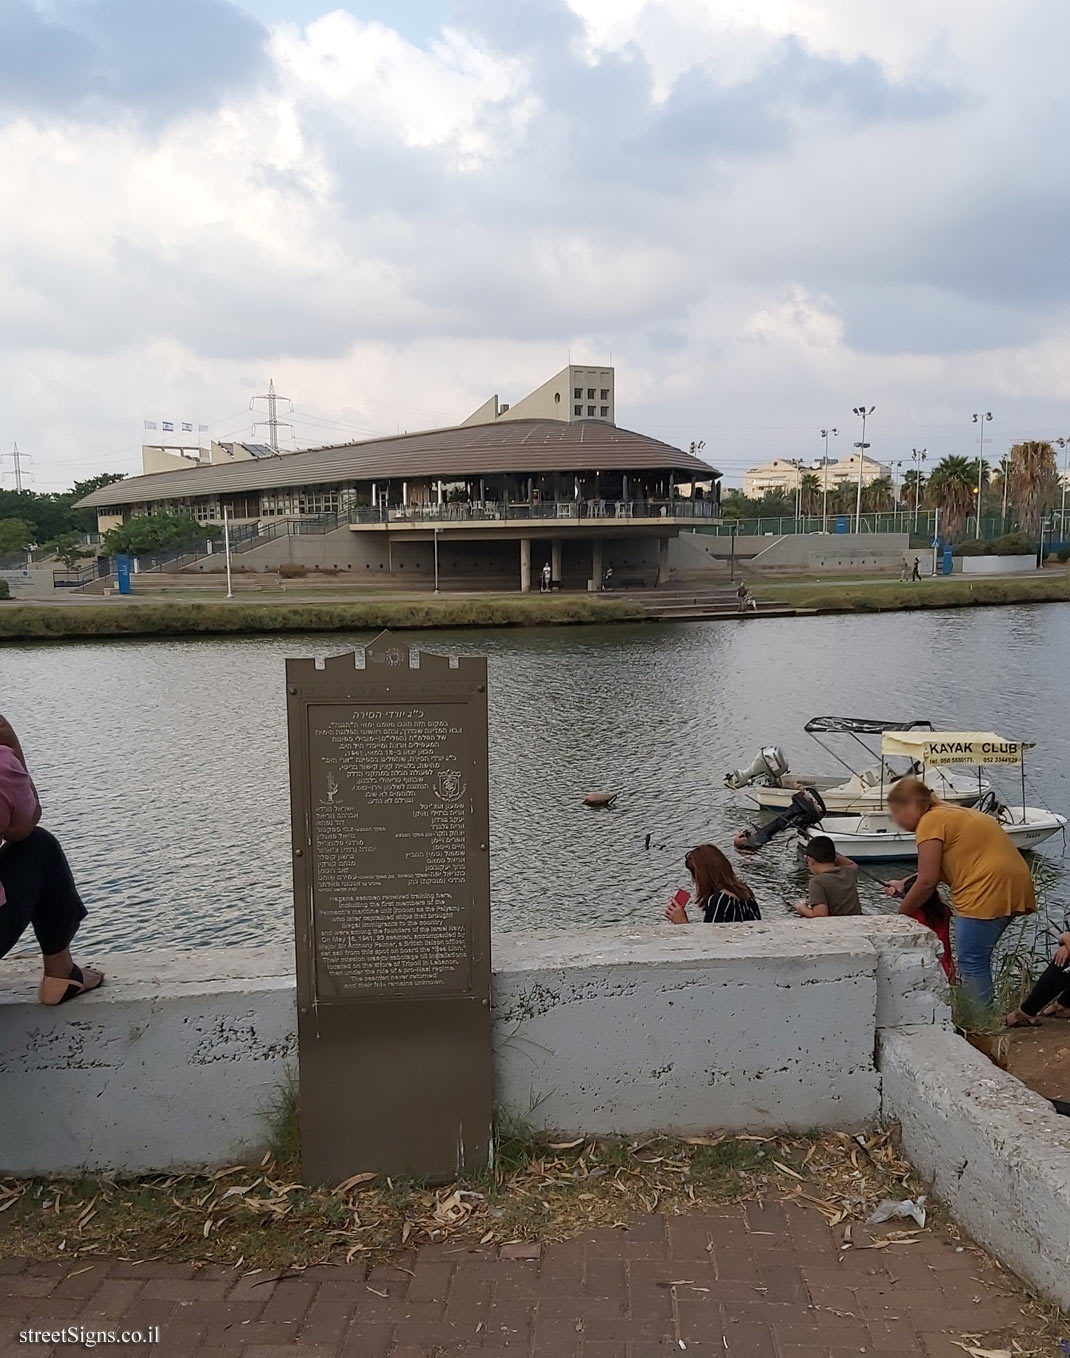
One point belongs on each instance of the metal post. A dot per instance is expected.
(1066, 476)
(981, 420)
(226, 547)
(435, 531)
(936, 539)
(1003, 517)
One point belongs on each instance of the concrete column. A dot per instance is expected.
(596, 562)
(555, 558)
(525, 565)
(661, 562)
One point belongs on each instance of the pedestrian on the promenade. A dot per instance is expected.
(546, 587)
(915, 574)
(904, 570)
(36, 885)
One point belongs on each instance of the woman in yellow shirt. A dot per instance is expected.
(970, 851)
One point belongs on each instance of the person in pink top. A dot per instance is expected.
(36, 885)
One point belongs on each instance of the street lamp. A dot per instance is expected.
(1064, 444)
(863, 414)
(917, 456)
(826, 434)
(981, 420)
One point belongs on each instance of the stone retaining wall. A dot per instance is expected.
(177, 1061)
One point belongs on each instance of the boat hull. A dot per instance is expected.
(874, 839)
(843, 803)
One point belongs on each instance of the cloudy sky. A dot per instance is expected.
(764, 214)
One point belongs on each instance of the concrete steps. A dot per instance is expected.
(687, 605)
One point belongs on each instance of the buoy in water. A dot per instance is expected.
(600, 799)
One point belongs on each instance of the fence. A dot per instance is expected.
(922, 524)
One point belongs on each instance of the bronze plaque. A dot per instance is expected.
(388, 789)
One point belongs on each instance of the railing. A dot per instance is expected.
(897, 521)
(76, 577)
(490, 511)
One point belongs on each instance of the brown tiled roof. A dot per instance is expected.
(518, 446)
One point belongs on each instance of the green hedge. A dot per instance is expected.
(58, 622)
(1014, 544)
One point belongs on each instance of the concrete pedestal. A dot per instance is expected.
(525, 565)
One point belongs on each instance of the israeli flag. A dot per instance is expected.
(202, 429)
(150, 424)
(187, 428)
(169, 426)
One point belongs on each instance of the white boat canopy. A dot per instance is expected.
(940, 748)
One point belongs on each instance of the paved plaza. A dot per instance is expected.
(756, 1281)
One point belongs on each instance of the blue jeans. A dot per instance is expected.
(975, 940)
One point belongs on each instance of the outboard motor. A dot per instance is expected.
(770, 764)
(805, 811)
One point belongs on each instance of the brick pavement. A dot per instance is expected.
(761, 1281)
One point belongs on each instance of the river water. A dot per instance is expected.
(162, 765)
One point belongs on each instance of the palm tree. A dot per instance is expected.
(1033, 483)
(810, 493)
(878, 496)
(952, 489)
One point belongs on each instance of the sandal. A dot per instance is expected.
(1056, 1010)
(1016, 1019)
(58, 990)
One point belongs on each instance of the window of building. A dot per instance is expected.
(577, 410)
(590, 393)
(604, 412)
(577, 392)
(605, 393)
(318, 502)
(590, 410)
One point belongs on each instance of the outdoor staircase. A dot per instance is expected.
(695, 605)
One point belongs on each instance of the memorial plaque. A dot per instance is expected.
(388, 788)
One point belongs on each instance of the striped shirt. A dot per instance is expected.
(727, 909)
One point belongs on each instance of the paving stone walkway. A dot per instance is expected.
(761, 1281)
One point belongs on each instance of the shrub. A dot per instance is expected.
(1063, 554)
(1014, 544)
(292, 570)
(5, 592)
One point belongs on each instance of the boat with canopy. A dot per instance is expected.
(772, 785)
(875, 837)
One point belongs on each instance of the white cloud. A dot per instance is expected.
(759, 213)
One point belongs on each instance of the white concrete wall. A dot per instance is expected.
(996, 565)
(175, 1061)
(997, 1154)
(656, 1029)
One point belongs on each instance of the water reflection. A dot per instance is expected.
(163, 764)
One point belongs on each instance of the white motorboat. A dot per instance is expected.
(771, 784)
(866, 791)
(876, 838)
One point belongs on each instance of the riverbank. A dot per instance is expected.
(60, 622)
(215, 617)
(894, 596)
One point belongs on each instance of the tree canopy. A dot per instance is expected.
(148, 533)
